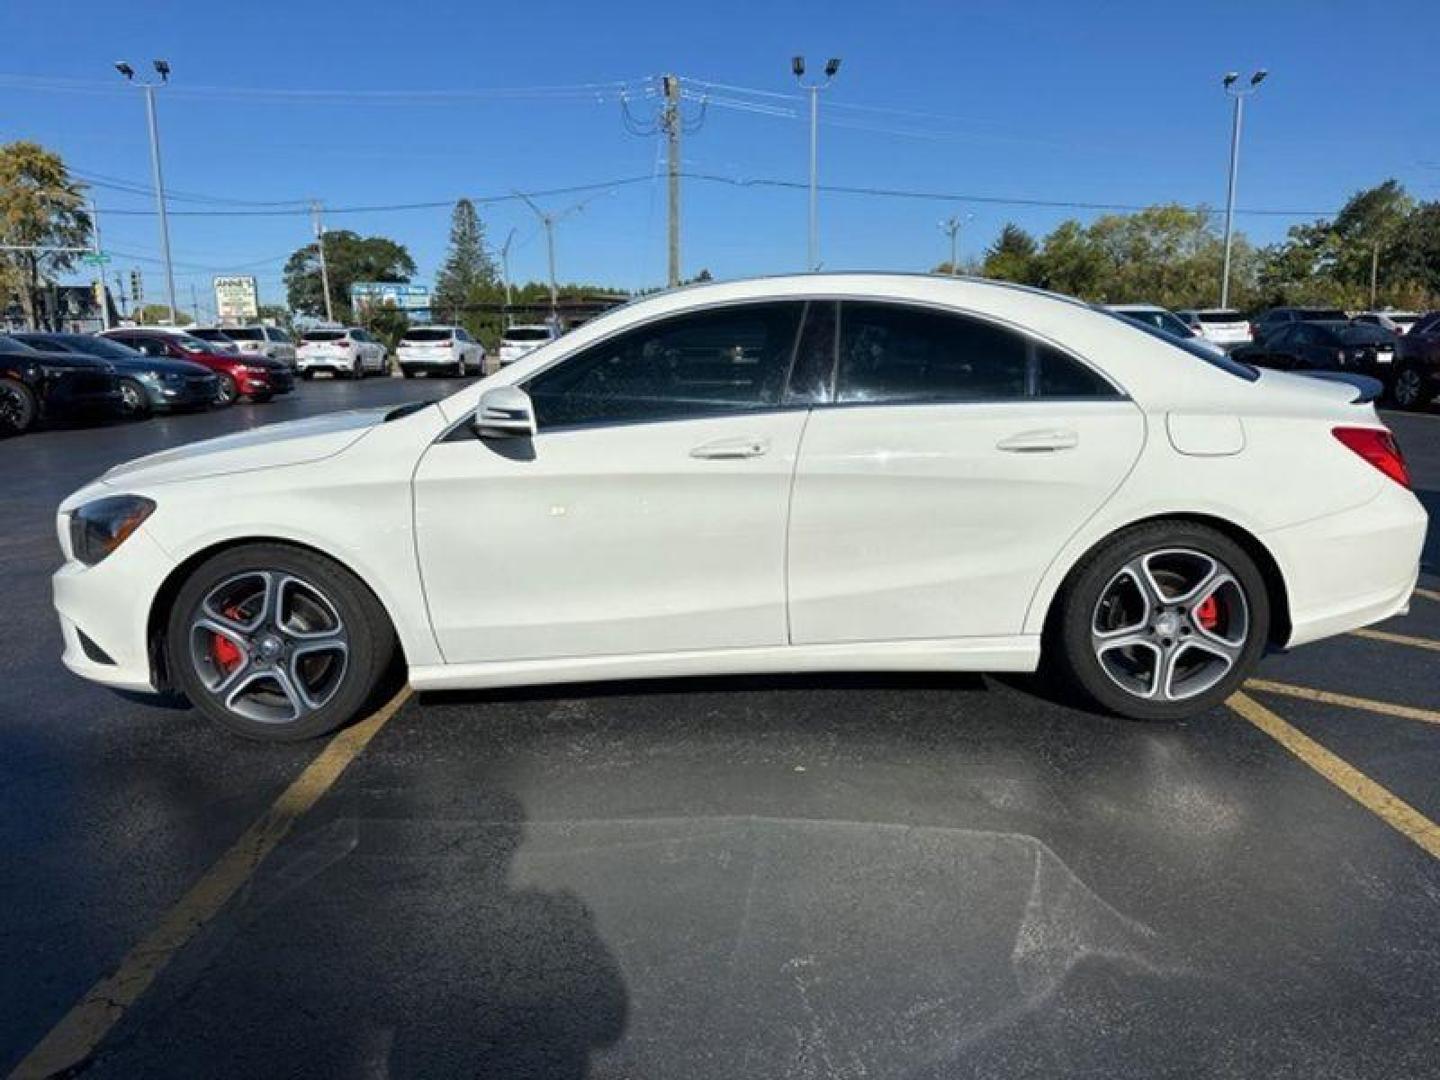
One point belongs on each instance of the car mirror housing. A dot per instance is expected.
(504, 412)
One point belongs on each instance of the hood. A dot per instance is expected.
(61, 360)
(295, 442)
(160, 366)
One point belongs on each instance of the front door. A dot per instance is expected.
(648, 513)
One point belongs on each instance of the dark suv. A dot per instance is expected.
(1272, 319)
(1417, 363)
(34, 384)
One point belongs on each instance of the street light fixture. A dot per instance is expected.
(1239, 96)
(162, 68)
(832, 67)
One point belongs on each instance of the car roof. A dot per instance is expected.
(1136, 307)
(526, 326)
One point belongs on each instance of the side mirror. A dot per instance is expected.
(504, 412)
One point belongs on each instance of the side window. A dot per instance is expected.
(1062, 376)
(151, 347)
(464, 335)
(814, 367)
(726, 360)
(1303, 335)
(1281, 338)
(889, 352)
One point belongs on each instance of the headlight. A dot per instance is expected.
(99, 527)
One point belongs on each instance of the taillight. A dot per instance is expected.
(343, 343)
(1377, 446)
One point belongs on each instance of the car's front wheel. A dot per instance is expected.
(133, 401)
(18, 408)
(228, 392)
(278, 643)
(1162, 621)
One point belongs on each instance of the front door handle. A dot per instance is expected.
(729, 449)
(1039, 442)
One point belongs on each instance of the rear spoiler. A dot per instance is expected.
(1366, 388)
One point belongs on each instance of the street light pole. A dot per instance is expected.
(505, 271)
(952, 225)
(162, 68)
(324, 266)
(832, 66)
(1239, 97)
(549, 220)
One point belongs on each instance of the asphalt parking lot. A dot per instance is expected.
(841, 876)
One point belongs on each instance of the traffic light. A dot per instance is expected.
(98, 288)
(137, 288)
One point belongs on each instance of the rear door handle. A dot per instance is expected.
(729, 449)
(1039, 442)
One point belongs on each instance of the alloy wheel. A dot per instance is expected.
(1170, 624)
(1407, 389)
(132, 399)
(14, 409)
(269, 646)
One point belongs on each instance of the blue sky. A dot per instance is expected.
(1045, 100)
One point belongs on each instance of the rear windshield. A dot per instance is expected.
(1322, 315)
(322, 335)
(244, 333)
(191, 343)
(1223, 362)
(527, 333)
(212, 335)
(1220, 316)
(1364, 334)
(428, 335)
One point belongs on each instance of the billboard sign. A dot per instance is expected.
(409, 298)
(236, 299)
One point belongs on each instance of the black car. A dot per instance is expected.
(1417, 363)
(146, 382)
(34, 384)
(1271, 320)
(1326, 346)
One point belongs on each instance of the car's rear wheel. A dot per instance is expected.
(277, 643)
(228, 393)
(1407, 389)
(407, 371)
(133, 400)
(1162, 621)
(18, 407)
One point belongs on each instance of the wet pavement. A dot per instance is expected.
(925, 876)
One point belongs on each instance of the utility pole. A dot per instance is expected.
(550, 219)
(99, 267)
(324, 267)
(670, 123)
(952, 226)
(505, 271)
(194, 304)
(1239, 96)
(1374, 273)
(162, 68)
(797, 66)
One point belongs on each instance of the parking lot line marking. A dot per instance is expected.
(1345, 701)
(1428, 594)
(80, 1031)
(1398, 639)
(1380, 801)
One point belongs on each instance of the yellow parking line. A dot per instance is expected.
(1381, 802)
(80, 1030)
(1398, 639)
(1345, 701)
(1428, 594)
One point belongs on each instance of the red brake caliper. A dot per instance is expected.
(223, 651)
(1207, 613)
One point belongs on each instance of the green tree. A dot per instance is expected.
(469, 271)
(277, 314)
(40, 207)
(159, 315)
(349, 258)
(1012, 257)
(385, 322)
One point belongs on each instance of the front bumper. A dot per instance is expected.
(193, 393)
(1351, 569)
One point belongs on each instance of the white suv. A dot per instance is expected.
(519, 340)
(1224, 326)
(347, 352)
(268, 341)
(440, 350)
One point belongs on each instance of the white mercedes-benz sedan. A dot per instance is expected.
(810, 473)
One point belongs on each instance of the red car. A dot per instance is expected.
(241, 375)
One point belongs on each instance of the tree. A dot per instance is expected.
(276, 314)
(468, 269)
(40, 207)
(1012, 256)
(159, 315)
(349, 258)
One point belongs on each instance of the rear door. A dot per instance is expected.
(955, 460)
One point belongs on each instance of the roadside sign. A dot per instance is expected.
(236, 299)
(95, 258)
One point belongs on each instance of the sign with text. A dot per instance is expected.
(390, 294)
(237, 299)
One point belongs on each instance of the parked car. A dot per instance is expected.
(1224, 326)
(348, 351)
(1417, 363)
(269, 341)
(1164, 320)
(36, 384)
(519, 340)
(1326, 346)
(439, 350)
(1397, 322)
(221, 341)
(1270, 320)
(239, 375)
(816, 473)
(147, 383)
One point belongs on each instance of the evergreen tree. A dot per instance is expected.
(469, 271)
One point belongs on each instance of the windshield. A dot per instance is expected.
(211, 335)
(98, 346)
(433, 334)
(190, 343)
(323, 335)
(526, 334)
(244, 333)
(1219, 360)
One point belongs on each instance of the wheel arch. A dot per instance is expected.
(165, 595)
(1276, 590)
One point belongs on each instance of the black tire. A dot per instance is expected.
(371, 647)
(134, 402)
(1408, 389)
(408, 372)
(229, 392)
(18, 407)
(1070, 646)
(307, 374)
